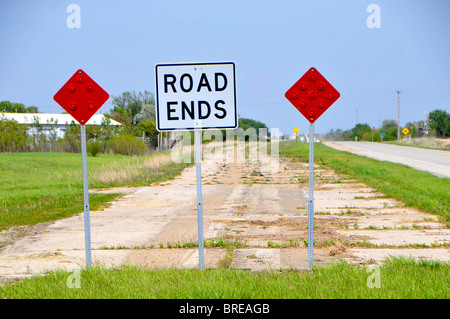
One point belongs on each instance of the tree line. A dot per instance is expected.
(437, 125)
(10, 107)
(43, 137)
(137, 135)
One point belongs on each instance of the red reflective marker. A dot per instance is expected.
(312, 95)
(81, 97)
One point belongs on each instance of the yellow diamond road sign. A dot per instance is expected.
(296, 130)
(405, 131)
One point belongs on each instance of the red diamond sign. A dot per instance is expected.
(81, 97)
(312, 95)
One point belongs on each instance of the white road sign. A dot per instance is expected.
(189, 93)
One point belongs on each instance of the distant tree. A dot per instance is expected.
(440, 122)
(71, 141)
(338, 134)
(389, 123)
(245, 124)
(32, 109)
(128, 105)
(13, 137)
(121, 118)
(330, 134)
(38, 138)
(347, 135)
(389, 127)
(359, 131)
(334, 135)
(10, 107)
(107, 131)
(148, 128)
(147, 112)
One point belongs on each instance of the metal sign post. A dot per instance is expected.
(87, 217)
(296, 130)
(198, 164)
(311, 198)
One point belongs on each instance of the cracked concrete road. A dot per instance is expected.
(261, 206)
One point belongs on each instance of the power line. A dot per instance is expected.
(355, 96)
(429, 94)
(366, 95)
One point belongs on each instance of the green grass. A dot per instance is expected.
(415, 188)
(398, 278)
(40, 187)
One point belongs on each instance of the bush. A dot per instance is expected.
(71, 142)
(94, 147)
(148, 127)
(126, 144)
(13, 137)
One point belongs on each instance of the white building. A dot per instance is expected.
(58, 122)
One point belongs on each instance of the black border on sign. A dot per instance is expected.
(192, 128)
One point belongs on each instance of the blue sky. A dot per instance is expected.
(273, 43)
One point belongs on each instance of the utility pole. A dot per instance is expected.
(398, 123)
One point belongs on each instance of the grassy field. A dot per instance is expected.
(39, 187)
(397, 278)
(418, 189)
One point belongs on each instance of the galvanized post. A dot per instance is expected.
(311, 198)
(87, 222)
(198, 163)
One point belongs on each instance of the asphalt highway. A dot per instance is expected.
(436, 162)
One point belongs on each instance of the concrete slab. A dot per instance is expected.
(361, 255)
(427, 237)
